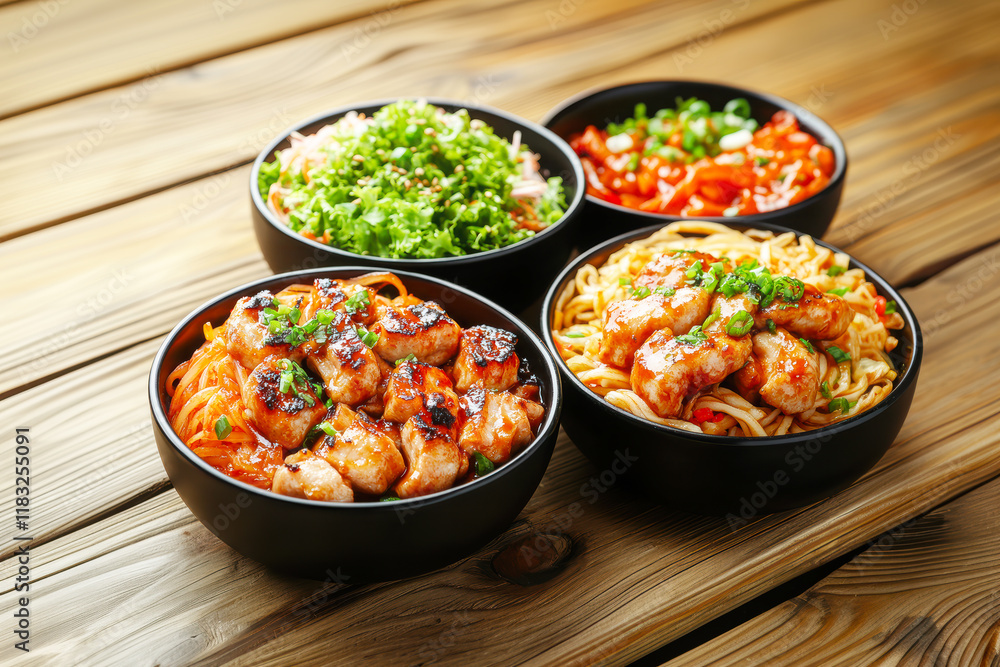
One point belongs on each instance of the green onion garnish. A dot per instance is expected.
(222, 428)
(890, 307)
(624, 281)
(665, 291)
(369, 338)
(839, 291)
(841, 404)
(328, 429)
(739, 324)
(358, 301)
(409, 357)
(771, 326)
(640, 292)
(808, 345)
(835, 271)
(694, 337)
(838, 355)
(388, 499)
(481, 465)
(824, 389)
(576, 335)
(712, 317)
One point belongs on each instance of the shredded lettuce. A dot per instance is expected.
(411, 182)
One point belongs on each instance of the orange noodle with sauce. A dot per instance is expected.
(345, 390)
(709, 329)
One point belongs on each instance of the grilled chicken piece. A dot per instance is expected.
(365, 453)
(350, 370)
(748, 380)
(670, 269)
(423, 330)
(727, 307)
(628, 323)
(433, 459)
(497, 424)
(790, 370)
(667, 371)
(305, 475)
(284, 419)
(486, 355)
(334, 294)
(414, 388)
(247, 338)
(816, 316)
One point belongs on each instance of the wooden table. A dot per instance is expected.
(125, 135)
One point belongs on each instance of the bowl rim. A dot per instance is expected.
(548, 428)
(804, 116)
(883, 287)
(573, 207)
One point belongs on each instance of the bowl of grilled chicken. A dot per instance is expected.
(354, 424)
(739, 369)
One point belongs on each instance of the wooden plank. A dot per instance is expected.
(924, 593)
(65, 49)
(202, 225)
(119, 144)
(161, 256)
(682, 570)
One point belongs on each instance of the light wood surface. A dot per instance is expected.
(926, 592)
(103, 257)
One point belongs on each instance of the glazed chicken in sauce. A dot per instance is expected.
(347, 394)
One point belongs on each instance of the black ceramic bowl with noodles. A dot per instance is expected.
(724, 475)
(362, 541)
(603, 220)
(514, 276)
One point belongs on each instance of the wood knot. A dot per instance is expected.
(534, 558)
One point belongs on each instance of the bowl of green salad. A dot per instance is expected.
(461, 192)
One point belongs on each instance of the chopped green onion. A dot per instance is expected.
(841, 404)
(329, 429)
(409, 357)
(358, 301)
(839, 291)
(369, 338)
(576, 335)
(481, 465)
(388, 499)
(712, 317)
(739, 324)
(771, 326)
(890, 307)
(761, 161)
(640, 292)
(824, 389)
(665, 291)
(838, 355)
(835, 271)
(808, 345)
(624, 281)
(694, 337)
(222, 428)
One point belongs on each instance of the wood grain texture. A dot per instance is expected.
(118, 144)
(681, 571)
(203, 224)
(63, 49)
(925, 593)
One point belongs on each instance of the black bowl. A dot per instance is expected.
(722, 475)
(603, 220)
(364, 541)
(488, 273)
